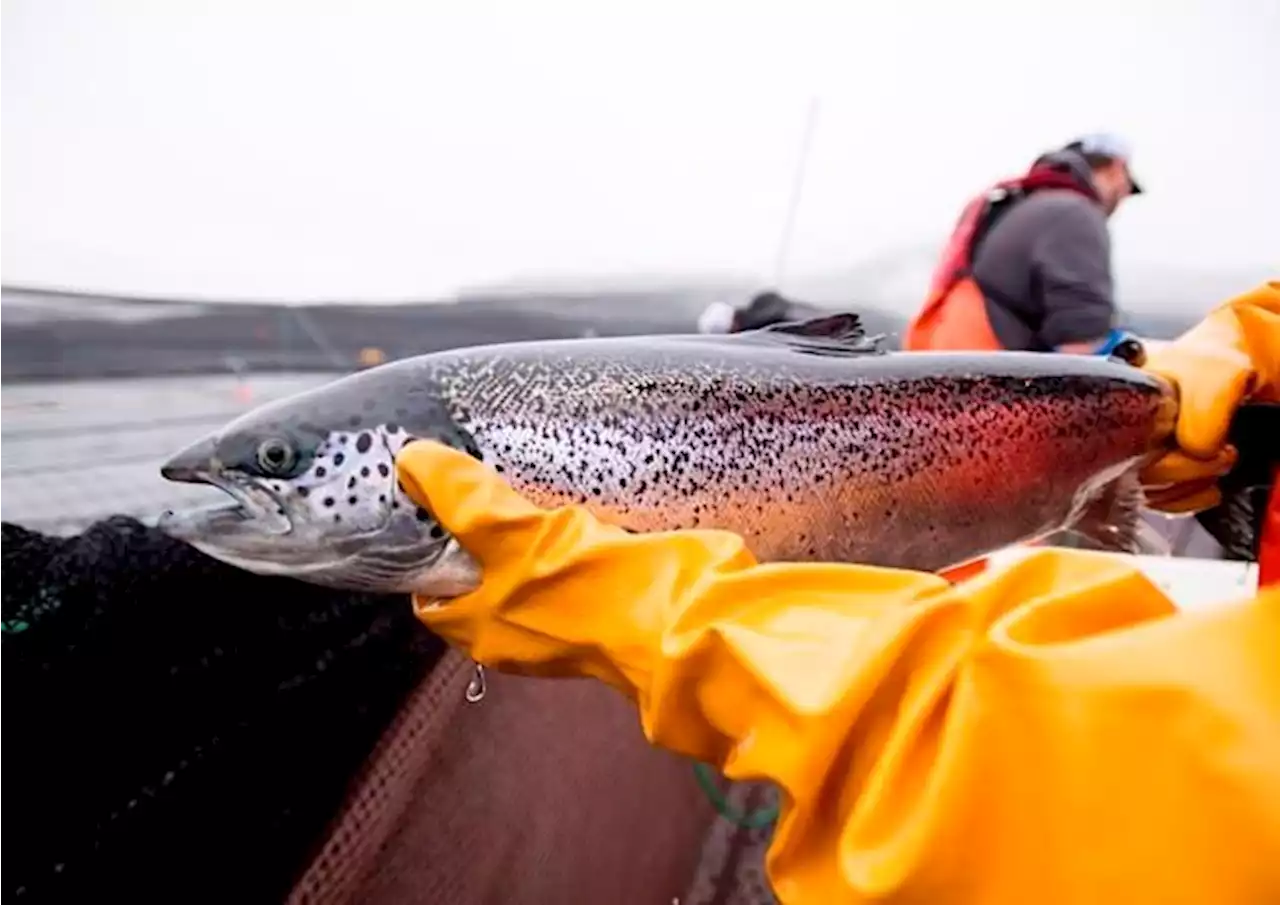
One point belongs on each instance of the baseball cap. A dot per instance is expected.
(1107, 144)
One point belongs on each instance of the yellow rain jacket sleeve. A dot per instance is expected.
(1231, 355)
(1048, 733)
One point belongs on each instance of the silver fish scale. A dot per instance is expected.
(632, 435)
(808, 457)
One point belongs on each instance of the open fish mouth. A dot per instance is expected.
(258, 504)
(251, 507)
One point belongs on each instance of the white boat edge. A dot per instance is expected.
(1193, 584)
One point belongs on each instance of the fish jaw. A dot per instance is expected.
(254, 529)
(390, 561)
(233, 533)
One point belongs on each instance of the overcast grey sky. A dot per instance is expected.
(251, 148)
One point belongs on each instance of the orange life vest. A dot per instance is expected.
(954, 315)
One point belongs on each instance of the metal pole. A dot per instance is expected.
(797, 190)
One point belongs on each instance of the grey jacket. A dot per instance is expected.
(1045, 268)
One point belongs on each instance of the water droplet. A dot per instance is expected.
(476, 687)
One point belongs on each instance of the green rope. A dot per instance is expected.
(756, 820)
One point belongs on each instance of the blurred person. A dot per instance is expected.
(1054, 731)
(1028, 266)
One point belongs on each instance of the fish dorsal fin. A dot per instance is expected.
(834, 334)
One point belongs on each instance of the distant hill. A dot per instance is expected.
(49, 335)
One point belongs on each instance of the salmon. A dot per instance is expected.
(808, 439)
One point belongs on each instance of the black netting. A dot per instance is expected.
(176, 729)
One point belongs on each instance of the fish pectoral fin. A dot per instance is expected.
(1112, 522)
(836, 334)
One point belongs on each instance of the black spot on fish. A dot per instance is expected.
(320, 472)
(370, 404)
(354, 420)
(303, 491)
(337, 517)
(437, 532)
(338, 459)
(364, 472)
(343, 439)
(351, 482)
(363, 442)
(384, 469)
(422, 515)
(382, 498)
(352, 500)
(392, 427)
(498, 467)
(328, 501)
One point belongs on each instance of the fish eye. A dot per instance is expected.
(276, 456)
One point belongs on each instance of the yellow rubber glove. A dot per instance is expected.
(1049, 733)
(1231, 356)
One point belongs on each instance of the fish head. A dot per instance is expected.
(314, 495)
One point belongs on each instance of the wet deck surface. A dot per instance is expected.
(76, 452)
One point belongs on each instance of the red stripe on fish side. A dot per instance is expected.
(1024, 448)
